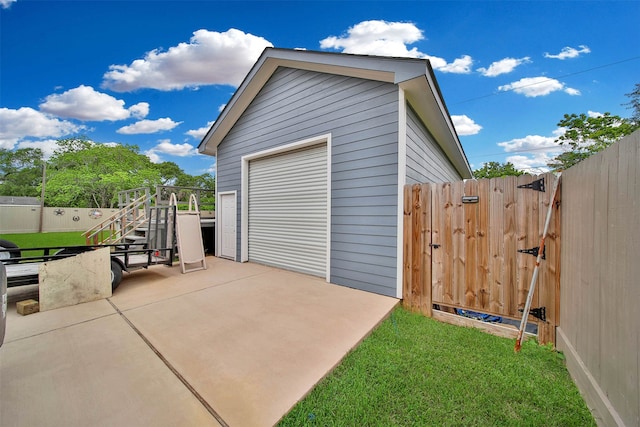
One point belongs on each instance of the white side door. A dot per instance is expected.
(227, 222)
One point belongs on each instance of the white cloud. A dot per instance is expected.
(6, 4)
(180, 150)
(465, 125)
(201, 132)
(48, 146)
(532, 87)
(384, 38)
(139, 110)
(153, 156)
(149, 126)
(594, 114)
(460, 65)
(85, 103)
(209, 58)
(166, 147)
(536, 164)
(534, 151)
(221, 107)
(531, 143)
(569, 52)
(27, 122)
(503, 66)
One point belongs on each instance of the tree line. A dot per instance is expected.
(83, 174)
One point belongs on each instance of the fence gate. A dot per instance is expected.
(472, 245)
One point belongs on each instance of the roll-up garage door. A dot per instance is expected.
(288, 210)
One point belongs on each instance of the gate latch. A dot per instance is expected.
(534, 251)
(538, 313)
(537, 185)
(434, 245)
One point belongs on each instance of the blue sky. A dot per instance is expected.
(157, 73)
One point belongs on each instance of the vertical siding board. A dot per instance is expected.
(471, 246)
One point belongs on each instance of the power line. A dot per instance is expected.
(548, 78)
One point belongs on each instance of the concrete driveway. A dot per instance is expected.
(237, 344)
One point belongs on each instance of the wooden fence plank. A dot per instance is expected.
(407, 248)
(484, 268)
(496, 248)
(417, 239)
(458, 243)
(426, 301)
(446, 238)
(471, 247)
(510, 246)
(524, 262)
(437, 255)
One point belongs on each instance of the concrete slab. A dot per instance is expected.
(253, 347)
(160, 283)
(19, 327)
(238, 342)
(97, 373)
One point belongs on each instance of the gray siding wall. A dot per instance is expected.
(362, 117)
(426, 162)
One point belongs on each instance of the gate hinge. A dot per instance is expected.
(534, 251)
(537, 185)
(538, 313)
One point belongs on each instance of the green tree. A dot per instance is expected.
(634, 103)
(86, 174)
(496, 170)
(588, 135)
(20, 172)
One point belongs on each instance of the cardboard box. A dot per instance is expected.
(27, 307)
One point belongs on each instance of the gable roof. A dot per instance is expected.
(414, 76)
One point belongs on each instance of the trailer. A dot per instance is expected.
(158, 248)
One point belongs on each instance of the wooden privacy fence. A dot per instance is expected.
(471, 245)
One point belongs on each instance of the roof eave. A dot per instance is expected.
(424, 95)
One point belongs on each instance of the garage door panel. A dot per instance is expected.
(288, 210)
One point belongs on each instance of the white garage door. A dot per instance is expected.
(288, 210)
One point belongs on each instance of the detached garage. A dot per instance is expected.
(313, 151)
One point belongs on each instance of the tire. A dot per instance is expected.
(5, 244)
(116, 274)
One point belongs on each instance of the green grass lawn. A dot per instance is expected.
(415, 371)
(39, 240)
